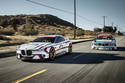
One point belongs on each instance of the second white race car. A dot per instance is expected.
(104, 42)
(45, 47)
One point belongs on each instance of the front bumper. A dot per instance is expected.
(35, 55)
(105, 47)
(32, 57)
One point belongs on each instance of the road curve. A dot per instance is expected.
(84, 65)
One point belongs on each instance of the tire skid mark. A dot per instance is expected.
(76, 77)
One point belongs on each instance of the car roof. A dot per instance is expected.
(52, 36)
(104, 35)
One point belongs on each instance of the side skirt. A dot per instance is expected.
(59, 54)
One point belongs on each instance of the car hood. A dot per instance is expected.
(33, 45)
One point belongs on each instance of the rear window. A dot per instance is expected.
(104, 38)
(44, 39)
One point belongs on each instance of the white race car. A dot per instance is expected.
(104, 42)
(45, 47)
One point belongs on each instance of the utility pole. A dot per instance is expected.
(104, 21)
(74, 19)
(112, 25)
(26, 20)
(119, 28)
(26, 25)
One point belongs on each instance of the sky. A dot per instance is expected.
(89, 12)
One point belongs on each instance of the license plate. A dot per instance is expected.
(101, 48)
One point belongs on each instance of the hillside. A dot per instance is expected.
(44, 23)
(41, 19)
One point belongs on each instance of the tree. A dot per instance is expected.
(115, 29)
(119, 33)
(108, 29)
(97, 29)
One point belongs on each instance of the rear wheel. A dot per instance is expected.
(70, 49)
(52, 54)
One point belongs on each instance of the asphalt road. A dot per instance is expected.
(84, 65)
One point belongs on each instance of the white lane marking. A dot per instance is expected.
(29, 76)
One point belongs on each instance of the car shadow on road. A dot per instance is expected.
(85, 58)
(120, 49)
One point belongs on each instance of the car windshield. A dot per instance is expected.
(44, 39)
(104, 38)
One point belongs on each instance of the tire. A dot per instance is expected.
(70, 49)
(52, 54)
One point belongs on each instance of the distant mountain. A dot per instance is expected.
(43, 23)
(41, 19)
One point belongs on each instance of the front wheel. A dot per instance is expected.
(52, 54)
(70, 49)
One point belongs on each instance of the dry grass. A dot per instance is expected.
(7, 49)
(23, 39)
(18, 39)
(15, 40)
(7, 31)
(11, 45)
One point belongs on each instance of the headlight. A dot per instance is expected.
(95, 43)
(18, 47)
(113, 44)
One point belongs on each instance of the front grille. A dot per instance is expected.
(101, 44)
(107, 44)
(26, 52)
(23, 52)
(29, 52)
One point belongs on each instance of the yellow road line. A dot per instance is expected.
(27, 77)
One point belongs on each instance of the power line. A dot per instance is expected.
(88, 19)
(84, 18)
(49, 7)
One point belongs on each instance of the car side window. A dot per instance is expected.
(60, 39)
